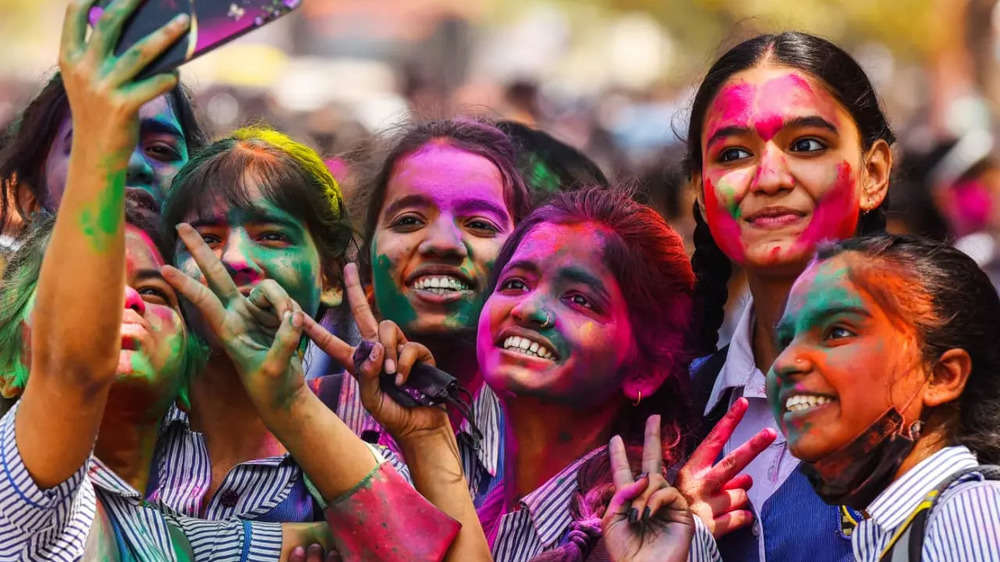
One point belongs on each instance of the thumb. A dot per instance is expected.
(286, 343)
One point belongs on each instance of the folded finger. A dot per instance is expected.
(731, 521)
(211, 267)
(298, 555)
(411, 354)
(667, 504)
(726, 501)
(623, 497)
(338, 350)
(392, 339)
(362, 311)
(285, 344)
(74, 28)
(744, 481)
(315, 553)
(109, 26)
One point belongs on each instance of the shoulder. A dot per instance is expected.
(965, 524)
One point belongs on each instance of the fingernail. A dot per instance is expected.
(374, 354)
(286, 317)
(298, 551)
(633, 515)
(181, 19)
(390, 367)
(641, 476)
(645, 513)
(297, 319)
(399, 379)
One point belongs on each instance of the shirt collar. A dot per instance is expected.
(173, 416)
(549, 503)
(106, 479)
(897, 501)
(486, 413)
(740, 369)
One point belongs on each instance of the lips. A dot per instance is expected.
(774, 217)
(140, 198)
(798, 404)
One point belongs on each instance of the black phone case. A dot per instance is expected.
(213, 23)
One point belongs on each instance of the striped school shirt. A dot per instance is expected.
(479, 461)
(543, 520)
(95, 504)
(271, 488)
(965, 524)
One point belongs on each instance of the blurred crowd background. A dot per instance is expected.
(611, 77)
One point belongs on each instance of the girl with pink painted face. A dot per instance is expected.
(787, 147)
(584, 335)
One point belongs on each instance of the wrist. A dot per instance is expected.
(426, 439)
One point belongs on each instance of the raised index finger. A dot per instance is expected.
(211, 267)
(621, 472)
(652, 449)
(362, 311)
(708, 451)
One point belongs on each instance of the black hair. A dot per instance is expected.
(476, 136)
(951, 303)
(26, 142)
(287, 173)
(549, 165)
(842, 77)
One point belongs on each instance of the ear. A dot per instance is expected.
(695, 185)
(875, 180)
(948, 377)
(8, 389)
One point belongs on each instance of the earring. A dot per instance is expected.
(638, 399)
(547, 323)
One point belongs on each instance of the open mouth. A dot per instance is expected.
(529, 347)
(438, 284)
(806, 403)
(142, 199)
(130, 343)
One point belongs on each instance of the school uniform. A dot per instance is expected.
(267, 489)
(96, 514)
(964, 525)
(543, 520)
(791, 522)
(481, 461)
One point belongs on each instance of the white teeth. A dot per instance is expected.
(800, 402)
(527, 347)
(440, 284)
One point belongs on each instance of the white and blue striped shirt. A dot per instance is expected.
(251, 490)
(96, 514)
(964, 526)
(544, 518)
(479, 463)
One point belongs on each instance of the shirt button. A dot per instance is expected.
(229, 498)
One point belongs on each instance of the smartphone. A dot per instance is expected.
(213, 23)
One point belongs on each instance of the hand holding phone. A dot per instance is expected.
(213, 23)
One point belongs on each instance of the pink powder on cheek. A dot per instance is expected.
(725, 228)
(836, 215)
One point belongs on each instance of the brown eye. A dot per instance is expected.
(733, 154)
(808, 145)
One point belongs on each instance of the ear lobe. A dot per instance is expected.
(875, 180)
(699, 192)
(948, 377)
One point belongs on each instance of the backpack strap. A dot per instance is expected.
(911, 532)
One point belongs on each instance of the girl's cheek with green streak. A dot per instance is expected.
(391, 303)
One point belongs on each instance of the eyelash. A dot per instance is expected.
(486, 226)
(154, 291)
(507, 285)
(822, 145)
(168, 154)
(407, 221)
(829, 333)
(727, 155)
(586, 302)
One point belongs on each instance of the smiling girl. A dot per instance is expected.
(885, 387)
(787, 147)
(444, 200)
(583, 335)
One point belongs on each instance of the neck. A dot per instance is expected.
(933, 438)
(544, 437)
(126, 440)
(769, 296)
(223, 412)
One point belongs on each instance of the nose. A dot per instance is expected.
(443, 240)
(531, 312)
(773, 175)
(140, 172)
(792, 363)
(237, 257)
(134, 300)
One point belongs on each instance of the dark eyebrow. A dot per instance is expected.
(251, 215)
(144, 274)
(811, 121)
(159, 126)
(482, 205)
(813, 315)
(726, 132)
(522, 264)
(414, 200)
(583, 276)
